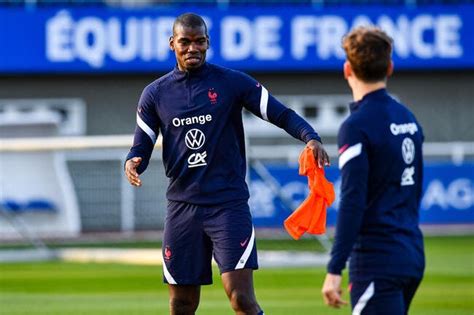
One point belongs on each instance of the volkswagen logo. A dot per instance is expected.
(408, 150)
(195, 139)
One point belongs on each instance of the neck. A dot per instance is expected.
(360, 89)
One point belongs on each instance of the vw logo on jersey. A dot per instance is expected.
(408, 150)
(194, 139)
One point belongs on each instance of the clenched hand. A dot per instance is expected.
(320, 155)
(131, 171)
(332, 291)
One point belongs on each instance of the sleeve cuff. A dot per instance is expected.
(334, 271)
(313, 136)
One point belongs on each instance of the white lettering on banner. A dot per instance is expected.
(163, 31)
(58, 32)
(146, 51)
(92, 52)
(459, 194)
(420, 25)
(267, 37)
(303, 35)
(331, 30)
(240, 38)
(399, 30)
(324, 34)
(236, 38)
(92, 39)
(128, 50)
(201, 119)
(447, 42)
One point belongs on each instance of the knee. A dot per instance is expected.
(243, 303)
(181, 306)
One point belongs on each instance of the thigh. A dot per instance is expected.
(377, 296)
(232, 233)
(187, 250)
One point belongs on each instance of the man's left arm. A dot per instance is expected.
(261, 103)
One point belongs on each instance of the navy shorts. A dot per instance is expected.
(383, 295)
(194, 234)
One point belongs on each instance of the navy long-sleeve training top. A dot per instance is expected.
(381, 163)
(199, 114)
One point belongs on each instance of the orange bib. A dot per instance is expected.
(310, 216)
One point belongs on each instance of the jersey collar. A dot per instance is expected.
(353, 106)
(202, 70)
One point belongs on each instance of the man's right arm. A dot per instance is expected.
(146, 133)
(354, 167)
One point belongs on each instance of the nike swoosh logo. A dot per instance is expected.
(244, 242)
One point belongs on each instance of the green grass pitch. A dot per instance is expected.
(67, 288)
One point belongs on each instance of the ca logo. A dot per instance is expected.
(194, 139)
(197, 159)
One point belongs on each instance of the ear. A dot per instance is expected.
(171, 43)
(390, 69)
(347, 70)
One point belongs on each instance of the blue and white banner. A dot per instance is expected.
(448, 196)
(105, 40)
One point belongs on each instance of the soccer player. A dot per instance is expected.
(197, 107)
(382, 168)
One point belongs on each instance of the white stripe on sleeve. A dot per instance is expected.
(168, 276)
(264, 103)
(369, 292)
(349, 154)
(146, 129)
(247, 252)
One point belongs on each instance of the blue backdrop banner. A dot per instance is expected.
(448, 196)
(105, 40)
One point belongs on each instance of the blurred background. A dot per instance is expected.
(71, 73)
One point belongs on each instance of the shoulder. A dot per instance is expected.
(235, 75)
(351, 124)
(352, 130)
(408, 113)
(163, 80)
(356, 120)
(153, 88)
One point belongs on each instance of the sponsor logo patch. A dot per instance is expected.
(197, 159)
(408, 150)
(194, 139)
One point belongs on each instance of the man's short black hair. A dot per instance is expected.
(190, 20)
